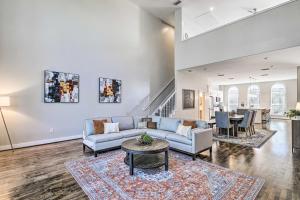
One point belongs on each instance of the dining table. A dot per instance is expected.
(235, 119)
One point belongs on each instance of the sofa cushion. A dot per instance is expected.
(141, 125)
(156, 119)
(132, 132)
(104, 137)
(136, 120)
(184, 131)
(202, 124)
(89, 124)
(111, 127)
(125, 122)
(178, 138)
(99, 126)
(191, 123)
(152, 125)
(158, 133)
(169, 124)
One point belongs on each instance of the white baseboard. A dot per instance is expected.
(40, 142)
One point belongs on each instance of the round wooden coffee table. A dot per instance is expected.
(145, 156)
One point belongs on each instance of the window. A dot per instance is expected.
(233, 98)
(278, 104)
(253, 96)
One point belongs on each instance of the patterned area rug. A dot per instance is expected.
(107, 177)
(255, 141)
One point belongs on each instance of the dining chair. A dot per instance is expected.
(246, 122)
(223, 121)
(241, 111)
(252, 128)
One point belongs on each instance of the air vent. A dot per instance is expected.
(230, 78)
(264, 75)
(221, 75)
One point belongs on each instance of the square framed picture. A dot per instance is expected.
(61, 87)
(188, 99)
(109, 90)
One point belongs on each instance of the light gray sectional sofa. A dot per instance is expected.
(199, 140)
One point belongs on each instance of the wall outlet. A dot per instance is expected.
(51, 130)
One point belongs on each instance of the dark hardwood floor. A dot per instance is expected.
(39, 172)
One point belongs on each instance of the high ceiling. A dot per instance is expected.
(273, 66)
(163, 9)
(199, 16)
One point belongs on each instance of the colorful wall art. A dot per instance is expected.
(109, 90)
(60, 87)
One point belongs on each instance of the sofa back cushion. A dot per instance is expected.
(202, 124)
(152, 125)
(169, 124)
(89, 125)
(125, 122)
(184, 131)
(191, 123)
(156, 119)
(99, 126)
(111, 127)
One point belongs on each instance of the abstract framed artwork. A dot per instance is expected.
(188, 99)
(109, 90)
(60, 87)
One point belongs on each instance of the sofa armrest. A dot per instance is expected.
(201, 139)
(84, 135)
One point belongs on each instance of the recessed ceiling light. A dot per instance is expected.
(264, 75)
(211, 9)
(265, 69)
(221, 75)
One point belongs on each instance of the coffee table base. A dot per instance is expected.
(146, 161)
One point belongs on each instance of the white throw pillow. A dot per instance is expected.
(142, 125)
(111, 127)
(184, 130)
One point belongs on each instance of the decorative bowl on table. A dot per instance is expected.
(145, 139)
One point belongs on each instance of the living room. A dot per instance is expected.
(121, 99)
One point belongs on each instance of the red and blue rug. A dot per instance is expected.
(107, 177)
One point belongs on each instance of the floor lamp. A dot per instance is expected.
(4, 102)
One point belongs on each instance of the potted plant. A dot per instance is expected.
(145, 139)
(293, 114)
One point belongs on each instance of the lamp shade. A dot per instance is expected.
(298, 106)
(4, 101)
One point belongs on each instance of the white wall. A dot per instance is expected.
(265, 93)
(189, 80)
(107, 38)
(268, 31)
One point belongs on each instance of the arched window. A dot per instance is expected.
(233, 98)
(278, 103)
(253, 96)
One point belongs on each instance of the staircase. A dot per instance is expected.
(163, 104)
(166, 109)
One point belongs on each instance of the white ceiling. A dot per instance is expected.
(282, 64)
(163, 9)
(200, 16)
